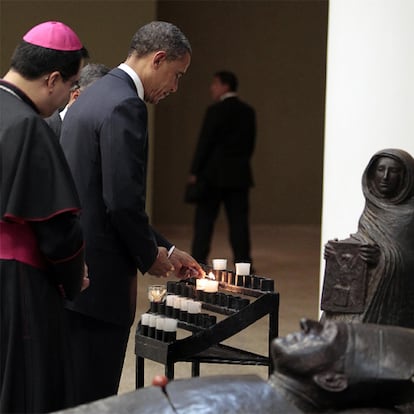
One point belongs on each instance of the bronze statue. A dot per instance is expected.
(336, 366)
(369, 277)
(330, 367)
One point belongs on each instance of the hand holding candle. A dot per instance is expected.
(185, 265)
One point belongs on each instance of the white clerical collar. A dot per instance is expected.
(62, 113)
(131, 72)
(227, 95)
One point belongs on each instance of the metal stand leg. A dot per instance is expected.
(273, 331)
(169, 370)
(195, 369)
(139, 372)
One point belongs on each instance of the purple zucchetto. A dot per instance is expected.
(53, 35)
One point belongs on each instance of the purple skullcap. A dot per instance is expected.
(53, 35)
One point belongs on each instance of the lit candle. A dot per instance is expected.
(156, 293)
(211, 286)
(201, 283)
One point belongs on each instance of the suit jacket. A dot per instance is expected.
(226, 144)
(55, 122)
(105, 140)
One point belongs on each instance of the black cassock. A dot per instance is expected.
(41, 259)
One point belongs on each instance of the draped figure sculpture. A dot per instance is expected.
(381, 289)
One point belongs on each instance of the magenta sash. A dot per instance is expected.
(18, 242)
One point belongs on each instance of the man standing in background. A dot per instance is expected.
(222, 162)
(105, 139)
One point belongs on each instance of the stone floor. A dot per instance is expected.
(288, 254)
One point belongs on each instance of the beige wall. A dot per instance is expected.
(278, 50)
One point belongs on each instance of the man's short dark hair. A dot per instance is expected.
(157, 36)
(32, 61)
(228, 78)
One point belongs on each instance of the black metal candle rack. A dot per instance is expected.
(242, 300)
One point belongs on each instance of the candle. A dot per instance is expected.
(170, 300)
(159, 327)
(170, 330)
(211, 286)
(145, 323)
(201, 283)
(184, 304)
(194, 307)
(219, 264)
(177, 302)
(242, 268)
(156, 293)
(152, 325)
(183, 309)
(207, 284)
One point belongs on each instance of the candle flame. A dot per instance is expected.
(211, 276)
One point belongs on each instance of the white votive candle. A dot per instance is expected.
(201, 283)
(211, 286)
(170, 300)
(170, 330)
(170, 324)
(145, 319)
(159, 324)
(184, 304)
(153, 321)
(219, 264)
(177, 302)
(194, 307)
(243, 269)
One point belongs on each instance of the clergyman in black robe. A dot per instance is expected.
(41, 243)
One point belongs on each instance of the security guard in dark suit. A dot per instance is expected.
(222, 161)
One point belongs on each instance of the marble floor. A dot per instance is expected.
(288, 254)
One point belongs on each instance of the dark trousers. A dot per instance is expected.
(98, 350)
(236, 204)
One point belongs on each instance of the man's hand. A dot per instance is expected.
(185, 265)
(162, 267)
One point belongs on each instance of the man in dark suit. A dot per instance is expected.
(105, 139)
(222, 162)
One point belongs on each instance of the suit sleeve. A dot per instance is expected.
(124, 148)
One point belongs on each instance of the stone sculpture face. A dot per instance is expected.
(387, 176)
(315, 348)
